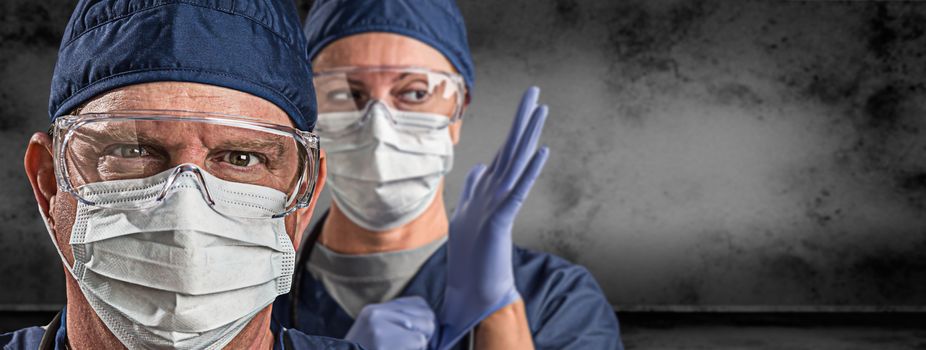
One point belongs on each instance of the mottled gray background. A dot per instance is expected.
(722, 155)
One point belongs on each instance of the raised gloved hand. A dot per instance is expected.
(480, 277)
(403, 323)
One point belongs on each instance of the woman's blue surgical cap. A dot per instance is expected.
(251, 46)
(437, 23)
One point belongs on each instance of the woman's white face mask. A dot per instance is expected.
(382, 176)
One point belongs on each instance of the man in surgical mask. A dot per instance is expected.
(179, 170)
(393, 81)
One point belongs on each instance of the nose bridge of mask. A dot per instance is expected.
(244, 200)
(383, 127)
(382, 124)
(184, 207)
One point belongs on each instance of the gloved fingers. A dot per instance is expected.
(414, 301)
(416, 308)
(395, 336)
(403, 320)
(424, 324)
(526, 148)
(414, 333)
(470, 185)
(509, 208)
(404, 323)
(525, 108)
(416, 341)
(412, 313)
(382, 313)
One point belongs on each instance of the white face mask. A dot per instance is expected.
(180, 275)
(382, 177)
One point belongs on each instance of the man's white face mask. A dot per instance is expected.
(180, 274)
(383, 176)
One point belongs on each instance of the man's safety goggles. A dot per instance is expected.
(343, 92)
(98, 147)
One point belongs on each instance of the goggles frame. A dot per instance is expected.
(454, 78)
(64, 127)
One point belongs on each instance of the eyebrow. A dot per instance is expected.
(253, 144)
(401, 76)
(395, 79)
(356, 82)
(120, 134)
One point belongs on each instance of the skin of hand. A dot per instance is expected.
(84, 328)
(343, 236)
(506, 329)
(480, 276)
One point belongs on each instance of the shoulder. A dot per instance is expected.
(299, 340)
(548, 267)
(26, 338)
(565, 307)
(551, 283)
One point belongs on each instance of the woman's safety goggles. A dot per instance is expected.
(344, 95)
(100, 147)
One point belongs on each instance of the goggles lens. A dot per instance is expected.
(420, 91)
(97, 148)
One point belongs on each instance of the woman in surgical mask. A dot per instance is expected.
(386, 267)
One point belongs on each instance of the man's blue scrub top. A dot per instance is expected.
(33, 338)
(566, 308)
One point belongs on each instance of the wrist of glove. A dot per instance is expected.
(480, 276)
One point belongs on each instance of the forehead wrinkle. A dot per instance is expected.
(369, 80)
(192, 97)
(380, 49)
(245, 144)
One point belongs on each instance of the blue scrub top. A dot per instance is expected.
(32, 338)
(565, 307)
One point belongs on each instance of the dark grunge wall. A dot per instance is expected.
(706, 154)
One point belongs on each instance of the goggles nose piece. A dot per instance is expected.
(378, 107)
(179, 170)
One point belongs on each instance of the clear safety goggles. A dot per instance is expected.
(98, 147)
(348, 93)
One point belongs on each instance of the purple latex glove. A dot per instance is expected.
(403, 323)
(480, 277)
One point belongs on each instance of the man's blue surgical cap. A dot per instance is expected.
(437, 23)
(252, 46)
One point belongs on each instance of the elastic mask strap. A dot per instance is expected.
(55, 243)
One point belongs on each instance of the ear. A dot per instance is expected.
(458, 125)
(40, 169)
(304, 215)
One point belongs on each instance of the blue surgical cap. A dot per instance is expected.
(437, 23)
(251, 46)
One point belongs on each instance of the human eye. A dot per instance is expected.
(130, 160)
(242, 159)
(129, 151)
(342, 95)
(414, 92)
(414, 96)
